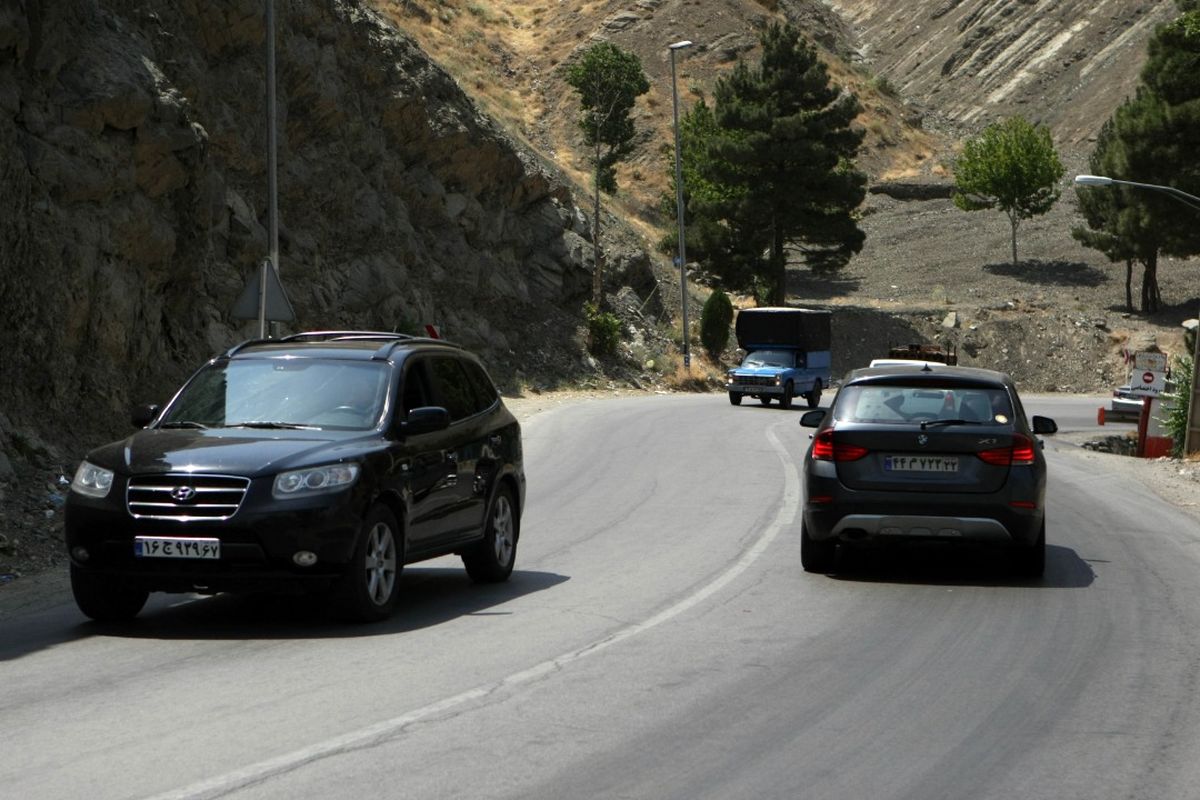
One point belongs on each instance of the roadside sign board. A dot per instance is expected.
(1147, 382)
(1153, 362)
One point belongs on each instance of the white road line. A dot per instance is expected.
(365, 737)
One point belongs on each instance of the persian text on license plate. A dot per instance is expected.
(920, 463)
(175, 547)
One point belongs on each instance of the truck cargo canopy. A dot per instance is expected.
(799, 328)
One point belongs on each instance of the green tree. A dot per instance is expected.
(782, 157)
(608, 80)
(1102, 213)
(1155, 139)
(715, 319)
(1012, 166)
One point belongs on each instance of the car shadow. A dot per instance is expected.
(429, 596)
(948, 565)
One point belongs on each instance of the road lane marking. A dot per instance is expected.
(252, 774)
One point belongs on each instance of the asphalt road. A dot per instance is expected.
(658, 640)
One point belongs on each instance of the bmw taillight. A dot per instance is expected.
(1021, 451)
(826, 449)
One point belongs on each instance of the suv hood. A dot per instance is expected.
(227, 451)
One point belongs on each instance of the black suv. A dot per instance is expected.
(322, 460)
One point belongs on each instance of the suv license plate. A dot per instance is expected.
(175, 547)
(920, 463)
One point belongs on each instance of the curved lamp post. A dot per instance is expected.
(1191, 437)
(687, 353)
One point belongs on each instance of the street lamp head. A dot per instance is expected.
(1093, 180)
(679, 45)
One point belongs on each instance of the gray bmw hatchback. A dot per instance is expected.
(921, 453)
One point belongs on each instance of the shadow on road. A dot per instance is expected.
(960, 566)
(429, 596)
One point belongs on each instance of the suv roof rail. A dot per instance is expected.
(390, 340)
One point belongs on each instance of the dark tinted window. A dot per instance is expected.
(485, 391)
(453, 387)
(416, 393)
(893, 403)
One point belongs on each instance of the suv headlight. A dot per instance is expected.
(92, 481)
(307, 482)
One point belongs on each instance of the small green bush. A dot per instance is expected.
(604, 331)
(715, 320)
(1176, 421)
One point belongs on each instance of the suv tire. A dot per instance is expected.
(370, 585)
(491, 560)
(106, 599)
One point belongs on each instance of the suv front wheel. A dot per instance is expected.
(491, 561)
(370, 584)
(105, 599)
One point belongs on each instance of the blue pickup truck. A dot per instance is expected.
(787, 355)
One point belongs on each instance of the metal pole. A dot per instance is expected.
(683, 287)
(272, 171)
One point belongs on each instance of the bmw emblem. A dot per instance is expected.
(182, 494)
(922, 440)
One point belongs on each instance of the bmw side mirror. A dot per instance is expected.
(143, 415)
(813, 419)
(425, 419)
(1044, 425)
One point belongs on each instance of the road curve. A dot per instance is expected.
(658, 640)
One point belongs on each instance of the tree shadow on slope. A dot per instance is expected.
(1054, 273)
(805, 286)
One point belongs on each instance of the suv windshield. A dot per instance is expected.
(283, 392)
(893, 403)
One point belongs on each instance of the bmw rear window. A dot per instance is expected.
(891, 403)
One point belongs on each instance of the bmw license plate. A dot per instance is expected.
(175, 547)
(920, 463)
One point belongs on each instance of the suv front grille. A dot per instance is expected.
(185, 497)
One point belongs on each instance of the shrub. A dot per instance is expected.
(604, 331)
(1176, 421)
(715, 320)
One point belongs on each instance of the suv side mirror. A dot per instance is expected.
(425, 419)
(1044, 425)
(143, 415)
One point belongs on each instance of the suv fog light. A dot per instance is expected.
(80, 554)
(305, 558)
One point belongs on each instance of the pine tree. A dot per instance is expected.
(783, 159)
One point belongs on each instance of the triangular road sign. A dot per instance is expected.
(279, 308)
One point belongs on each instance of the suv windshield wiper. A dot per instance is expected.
(289, 426)
(186, 423)
(929, 422)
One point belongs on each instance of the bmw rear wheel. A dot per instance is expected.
(1029, 561)
(491, 560)
(816, 556)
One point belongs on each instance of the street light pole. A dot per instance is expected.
(683, 288)
(1191, 436)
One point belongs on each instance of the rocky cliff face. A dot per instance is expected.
(1067, 63)
(133, 200)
